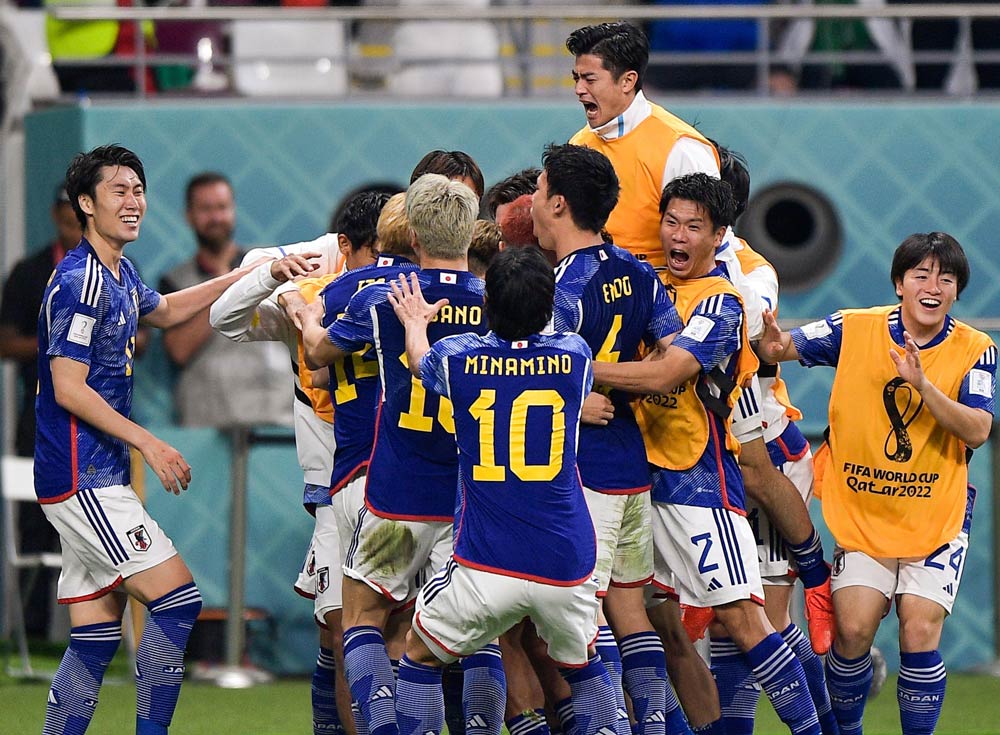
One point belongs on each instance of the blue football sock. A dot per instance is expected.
(594, 702)
(607, 649)
(808, 556)
(73, 695)
(359, 719)
(781, 677)
(453, 684)
(530, 722)
(812, 665)
(644, 675)
(567, 717)
(848, 681)
(738, 687)
(920, 691)
(484, 693)
(419, 699)
(369, 674)
(326, 719)
(159, 660)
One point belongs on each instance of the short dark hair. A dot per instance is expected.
(360, 217)
(735, 172)
(386, 187)
(205, 178)
(509, 189)
(84, 173)
(621, 47)
(715, 195)
(452, 164)
(586, 179)
(941, 246)
(520, 288)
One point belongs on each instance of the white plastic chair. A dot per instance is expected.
(289, 58)
(17, 486)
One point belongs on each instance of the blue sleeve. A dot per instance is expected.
(356, 328)
(818, 343)
(147, 299)
(434, 364)
(979, 385)
(566, 311)
(664, 319)
(713, 332)
(71, 321)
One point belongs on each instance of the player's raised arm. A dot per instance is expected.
(414, 314)
(73, 394)
(971, 425)
(775, 345)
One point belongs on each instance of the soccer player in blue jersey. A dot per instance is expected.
(705, 553)
(616, 303)
(86, 331)
(259, 307)
(405, 527)
(524, 540)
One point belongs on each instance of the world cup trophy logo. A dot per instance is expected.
(902, 410)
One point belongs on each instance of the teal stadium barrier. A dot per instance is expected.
(889, 171)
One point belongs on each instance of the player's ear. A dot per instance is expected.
(899, 289)
(344, 244)
(86, 203)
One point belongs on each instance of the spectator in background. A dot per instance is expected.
(217, 375)
(22, 298)
(697, 35)
(95, 39)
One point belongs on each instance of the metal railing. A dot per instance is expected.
(516, 18)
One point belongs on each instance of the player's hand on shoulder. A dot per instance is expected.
(597, 409)
(294, 266)
(293, 303)
(168, 464)
(408, 300)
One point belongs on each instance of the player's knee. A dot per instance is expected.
(919, 634)
(854, 636)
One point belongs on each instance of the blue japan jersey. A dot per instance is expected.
(413, 473)
(715, 480)
(615, 302)
(819, 344)
(354, 386)
(517, 408)
(89, 316)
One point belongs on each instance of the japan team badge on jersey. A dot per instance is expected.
(139, 538)
(323, 581)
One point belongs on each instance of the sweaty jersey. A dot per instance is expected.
(354, 386)
(517, 408)
(689, 445)
(413, 472)
(89, 316)
(896, 485)
(615, 302)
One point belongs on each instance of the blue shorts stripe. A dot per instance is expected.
(433, 588)
(99, 522)
(725, 543)
(356, 536)
(741, 572)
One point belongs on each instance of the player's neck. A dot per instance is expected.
(446, 264)
(108, 252)
(569, 242)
